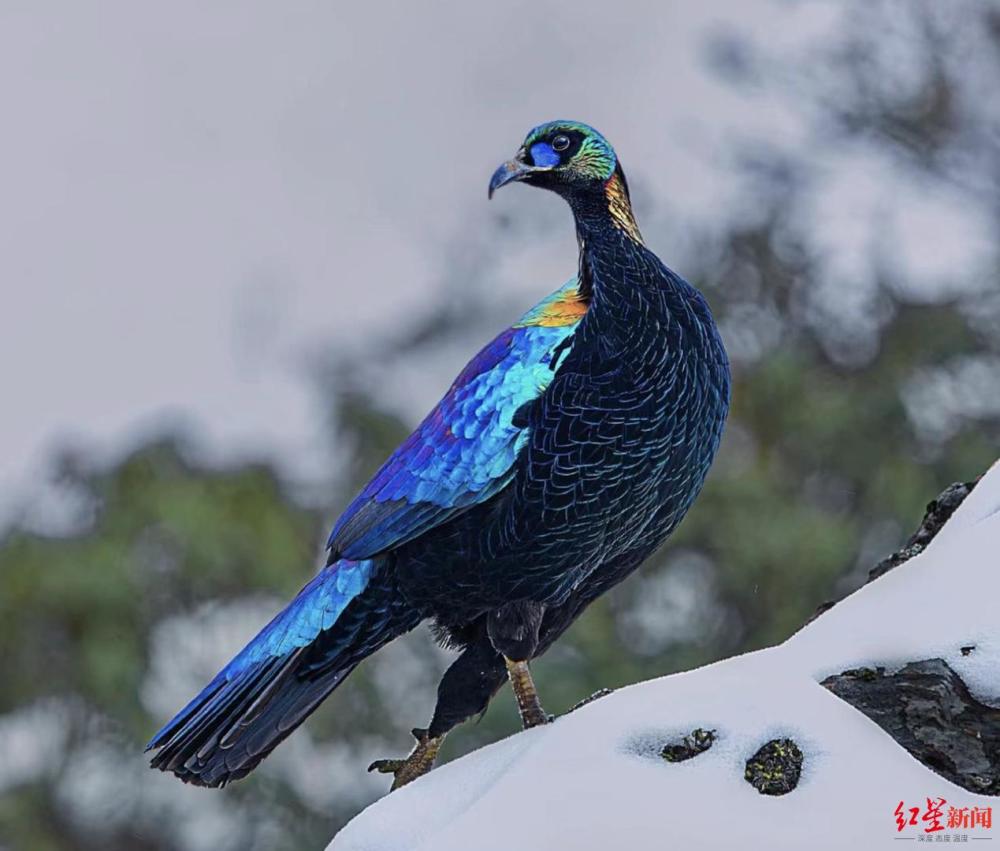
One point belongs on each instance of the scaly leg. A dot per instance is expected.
(528, 704)
(418, 763)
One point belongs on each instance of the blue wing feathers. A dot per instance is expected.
(464, 451)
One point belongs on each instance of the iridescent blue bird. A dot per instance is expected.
(564, 453)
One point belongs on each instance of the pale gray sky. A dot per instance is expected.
(194, 195)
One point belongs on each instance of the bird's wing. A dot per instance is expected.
(463, 452)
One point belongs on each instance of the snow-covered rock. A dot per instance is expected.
(595, 778)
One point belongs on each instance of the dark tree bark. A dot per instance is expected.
(928, 710)
(937, 514)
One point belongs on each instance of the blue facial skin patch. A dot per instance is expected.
(543, 155)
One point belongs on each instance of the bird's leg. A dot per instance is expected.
(465, 690)
(528, 704)
(513, 630)
(418, 763)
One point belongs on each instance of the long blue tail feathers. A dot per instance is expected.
(348, 611)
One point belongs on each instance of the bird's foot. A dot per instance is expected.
(417, 764)
(597, 695)
(528, 704)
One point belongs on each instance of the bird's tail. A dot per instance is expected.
(343, 615)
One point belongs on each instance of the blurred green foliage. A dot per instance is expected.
(165, 535)
(824, 469)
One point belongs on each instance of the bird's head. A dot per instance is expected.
(559, 155)
(575, 161)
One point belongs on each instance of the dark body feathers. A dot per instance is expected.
(619, 445)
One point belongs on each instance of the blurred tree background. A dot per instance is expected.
(865, 383)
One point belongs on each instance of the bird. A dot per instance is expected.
(564, 453)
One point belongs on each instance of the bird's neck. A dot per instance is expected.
(604, 212)
(605, 224)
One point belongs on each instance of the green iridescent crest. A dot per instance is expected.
(593, 158)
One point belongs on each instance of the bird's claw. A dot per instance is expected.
(418, 763)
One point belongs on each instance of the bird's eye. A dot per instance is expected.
(560, 142)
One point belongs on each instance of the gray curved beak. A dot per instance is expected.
(511, 171)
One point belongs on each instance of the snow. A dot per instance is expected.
(594, 779)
